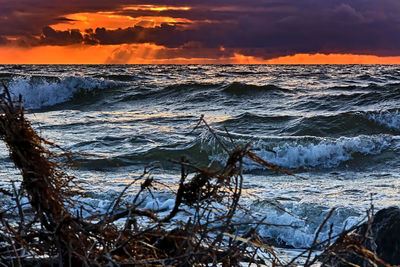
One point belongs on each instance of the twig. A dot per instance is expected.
(317, 234)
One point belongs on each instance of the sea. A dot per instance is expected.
(337, 127)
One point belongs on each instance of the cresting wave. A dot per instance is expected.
(198, 89)
(297, 232)
(369, 87)
(333, 124)
(288, 152)
(294, 152)
(238, 88)
(326, 153)
(350, 123)
(174, 90)
(43, 92)
(389, 118)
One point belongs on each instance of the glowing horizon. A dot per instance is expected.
(148, 54)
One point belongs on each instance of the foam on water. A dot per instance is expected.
(389, 119)
(326, 152)
(38, 93)
(292, 152)
(298, 228)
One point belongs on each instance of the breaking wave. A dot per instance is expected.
(44, 92)
(294, 152)
(238, 88)
(390, 118)
(323, 152)
(334, 124)
(297, 232)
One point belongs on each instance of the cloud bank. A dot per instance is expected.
(260, 28)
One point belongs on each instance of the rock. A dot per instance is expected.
(386, 233)
(382, 237)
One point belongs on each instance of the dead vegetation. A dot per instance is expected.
(48, 233)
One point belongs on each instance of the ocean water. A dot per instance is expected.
(339, 123)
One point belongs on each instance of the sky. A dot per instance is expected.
(200, 31)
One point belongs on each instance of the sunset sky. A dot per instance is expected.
(207, 31)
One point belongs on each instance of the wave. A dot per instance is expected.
(315, 152)
(346, 101)
(38, 92)
(118, 77)
(349, 123)
(244, 73)
(190, 86)
(194, 151)
(346, 88)
(4, 75)
(320, 152)
(295, 228)
(238, 88)
(192, 91)
(249, 117)
(335, 124)
(370, 87)
(288, 152)
(302, 222)
(367, 77)
(390, 118)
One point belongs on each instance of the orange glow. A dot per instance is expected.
(150, 54)
(84, 21)
(55, 55)
(333, 59)
(99, 54)
(155, 8)
(114, 20)
(242, 59)
(110, 20)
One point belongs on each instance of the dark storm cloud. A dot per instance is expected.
(3, 40)
(28, 17)
(64, 19)
(265, 28)
(52, 37)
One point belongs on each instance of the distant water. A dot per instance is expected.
(341, 123)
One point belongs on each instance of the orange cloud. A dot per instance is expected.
(114, 20)
(156, 8)
(109, 20)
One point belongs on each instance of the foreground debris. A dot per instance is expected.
(51, 234)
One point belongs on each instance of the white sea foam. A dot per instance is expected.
(313, 151)
(39, 93)
(389, 119)
(299, 233)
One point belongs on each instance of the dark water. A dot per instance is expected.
(341, 123)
